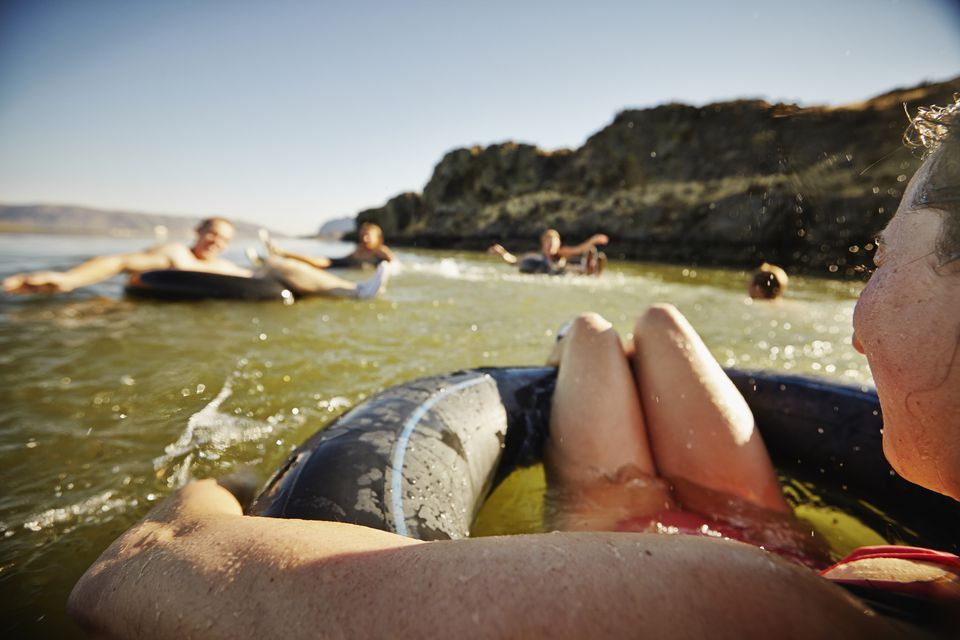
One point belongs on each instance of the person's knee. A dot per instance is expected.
(591, 331)
(589, 323)
(660, 317)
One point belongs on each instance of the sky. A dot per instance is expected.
(288, 114)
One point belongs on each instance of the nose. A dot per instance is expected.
(856, 343)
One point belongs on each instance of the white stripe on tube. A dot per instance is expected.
(400, 450)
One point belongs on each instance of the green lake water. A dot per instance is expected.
(110, 403)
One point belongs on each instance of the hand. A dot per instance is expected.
(599, 238)
(496, 249)
(38, 282)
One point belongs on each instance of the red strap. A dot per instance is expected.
(903, 553)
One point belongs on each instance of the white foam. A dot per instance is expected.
(89, 510)
(206, 417)
(478, 271)
(208, 433)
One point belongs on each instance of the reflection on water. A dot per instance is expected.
(110, 403)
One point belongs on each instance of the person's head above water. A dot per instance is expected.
(768, 282)
(213, 237)
(907, 320)
(371, 236)
(550, 242)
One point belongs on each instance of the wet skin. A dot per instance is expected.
(907, 323)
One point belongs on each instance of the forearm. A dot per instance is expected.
(94, 270)
(103, 267)
(214, 573)
(505, 255)
(583, 247)
(576, 250)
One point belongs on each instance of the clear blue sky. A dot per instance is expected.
(290, 113)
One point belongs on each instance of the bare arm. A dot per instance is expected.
(90, 272)
(497, 249)
(583, 247)
(385, 253)
(196, 566)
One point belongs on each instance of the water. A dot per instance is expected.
(110, 403)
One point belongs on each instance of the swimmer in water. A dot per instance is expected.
(213, 237)
(196, 565)
(553, 255)
(768, 282)
(370, 250)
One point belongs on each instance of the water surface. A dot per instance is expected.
(111, 403)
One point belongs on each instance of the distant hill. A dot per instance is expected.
(82, 220)
(337, 228)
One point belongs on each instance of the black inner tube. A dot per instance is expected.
(175, 284)
(420, 458)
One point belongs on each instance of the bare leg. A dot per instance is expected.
(700, 427)
(274, 249)
(304, 279)
(598, 459)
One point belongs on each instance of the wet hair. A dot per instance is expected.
(768, 282)
(934, 131)
(206, 223)
(375, 228)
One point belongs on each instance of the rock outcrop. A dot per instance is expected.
(729, 184)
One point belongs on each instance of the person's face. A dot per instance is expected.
(550, 244)
(369, 238)
(907, 323)
(213, 239)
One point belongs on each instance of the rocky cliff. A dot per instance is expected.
(728, 184)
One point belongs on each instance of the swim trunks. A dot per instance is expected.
(676, 522)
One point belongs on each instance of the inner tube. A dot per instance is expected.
(539, 263)
(590, 263)
(175, 284)
(419, 459)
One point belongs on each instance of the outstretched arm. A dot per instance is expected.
(583, 247)
(197, 567)
(498, 249)
(90, 272)
(385, 253)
